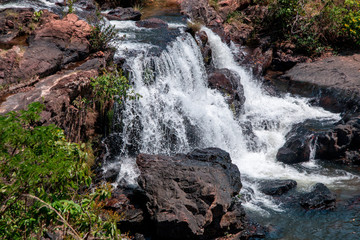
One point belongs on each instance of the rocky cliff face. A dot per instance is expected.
(53, 66)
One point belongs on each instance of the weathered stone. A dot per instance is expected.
(191, 197)
(297, 146)
(152, 23)
(333, 81)
(276, 187)
(122, 14)
(229, 84)
(61, 94)
(341, 144)
(320, 198)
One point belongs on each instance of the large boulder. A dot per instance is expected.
(152, 23)
(319, 198)
(276, 187)
(334, 81)
(342, 143)
(191, 196)
(297, 146)
(228, 82)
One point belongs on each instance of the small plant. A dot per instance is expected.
(70, 4)
(102, 34)
(37, 15)
(112, 86)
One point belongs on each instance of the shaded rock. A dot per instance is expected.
(122, 14)
(238, 32)
(342, 143)
(128, 204)
(61, 94)
(152, 23)
(277, 187)
(258, 60)
(229, 84)
(191, 196)
(14, 22)
(283, 61)
(332, 81)
(320, 198)
(297, 146)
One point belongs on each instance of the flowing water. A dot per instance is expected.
(178, 112)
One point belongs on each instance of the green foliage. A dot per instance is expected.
(112, 86)
(102, 34)
(315, 25)
(70, 4)
(38, 161)
(234, 16)
(37, 15)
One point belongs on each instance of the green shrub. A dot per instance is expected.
(315, 25)
(41, 178)
(110, 87)
(102, 34)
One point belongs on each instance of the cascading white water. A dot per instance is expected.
(178, 112)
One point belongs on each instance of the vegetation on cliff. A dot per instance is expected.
(45, 180)
(313, 26)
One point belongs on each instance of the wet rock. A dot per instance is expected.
(152, 23)
(122, 14)
(297, 146)
(258, 60)
(320, 198)
(128, 204)
(88, 5)
(202, 40)
(332, 81)
(191, 196)
(229, 84)
(277, 187)
(342, 143)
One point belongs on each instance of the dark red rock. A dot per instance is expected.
(229, 84)
(333, 81)
(342, 143)
(277, 187)
(297, 146)
(320, 198)
(191, 197)
(152, 23)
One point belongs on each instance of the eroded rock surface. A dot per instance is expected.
(334, 81)
(320, 198)
(192, 196)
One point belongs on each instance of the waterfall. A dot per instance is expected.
(178, 112)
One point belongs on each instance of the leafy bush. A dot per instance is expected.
(102, 34)
(41, 176)
(112, 86)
